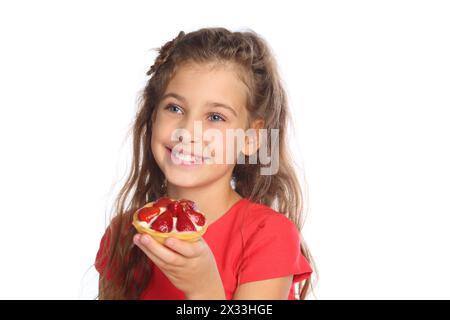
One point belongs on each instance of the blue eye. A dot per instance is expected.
(216, 117)
(172, 108)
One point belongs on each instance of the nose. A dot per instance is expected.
(190, 131)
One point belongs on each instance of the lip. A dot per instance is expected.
(187, 163)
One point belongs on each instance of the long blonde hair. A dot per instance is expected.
(266, 100)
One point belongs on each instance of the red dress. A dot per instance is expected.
(250, 242)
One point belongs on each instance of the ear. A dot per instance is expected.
(252, 143)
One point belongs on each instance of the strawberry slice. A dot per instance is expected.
(187, 204)
(184, 223)
(196, 217)
(164, 222)
(162, 202)
(147, 213)
(175, 208)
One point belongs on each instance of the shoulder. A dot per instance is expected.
(259, 214)
(118, 224)
(260, 218)
(115, 226)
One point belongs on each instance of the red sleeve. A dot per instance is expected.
(274, 251)
(101, 259)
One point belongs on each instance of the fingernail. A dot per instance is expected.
(145, 239)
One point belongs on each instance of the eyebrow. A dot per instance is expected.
(208, 103)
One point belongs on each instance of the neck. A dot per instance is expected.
(213, 199)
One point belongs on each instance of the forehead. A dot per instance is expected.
(209, 82)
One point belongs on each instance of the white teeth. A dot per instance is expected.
(186, 157)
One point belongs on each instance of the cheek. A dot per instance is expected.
(223, 147)
(160, 137)
(163, 127)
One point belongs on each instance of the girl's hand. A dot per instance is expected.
(190, 266)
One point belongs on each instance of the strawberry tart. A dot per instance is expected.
(167, 217)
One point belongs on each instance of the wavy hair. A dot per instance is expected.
(266, 99)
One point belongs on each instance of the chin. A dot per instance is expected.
(185, 179)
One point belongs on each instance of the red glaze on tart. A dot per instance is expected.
(167, 217)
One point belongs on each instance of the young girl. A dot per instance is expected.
(222, 81)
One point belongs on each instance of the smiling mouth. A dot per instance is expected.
(186, 159)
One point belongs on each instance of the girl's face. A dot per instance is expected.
(189, 139)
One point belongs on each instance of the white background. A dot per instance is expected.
(368, 82)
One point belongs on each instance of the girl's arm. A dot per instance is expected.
(270, 289)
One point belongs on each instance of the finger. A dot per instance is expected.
(159, 251)
(161, 264)
(185, 248)
(151, 256)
